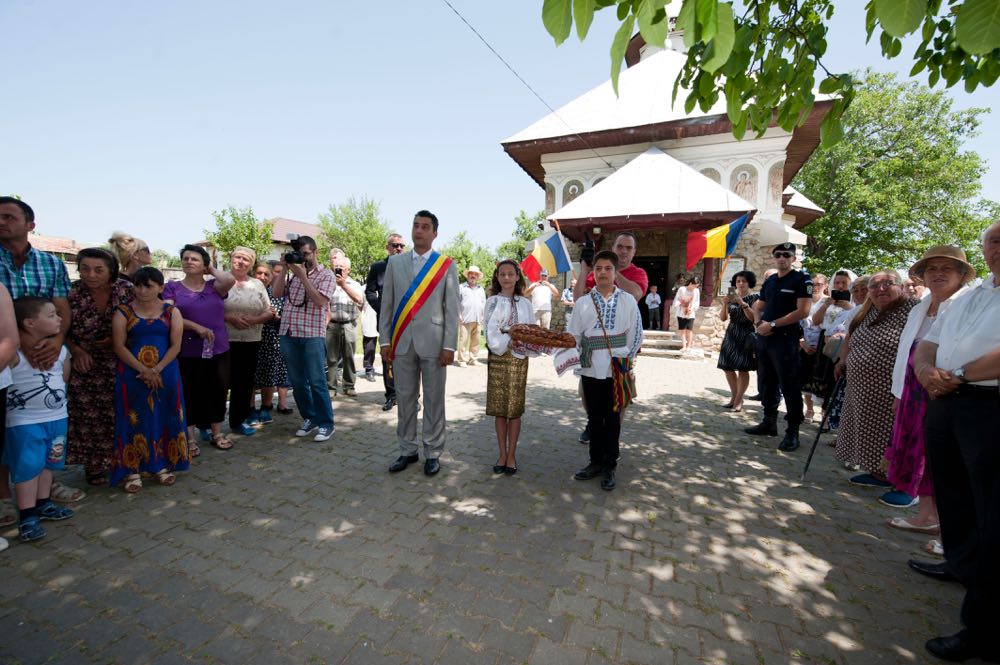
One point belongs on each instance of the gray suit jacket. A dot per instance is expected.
(435, 327)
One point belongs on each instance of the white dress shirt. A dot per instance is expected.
(472, 302)
(914, 321)
(969, 329)
(620, 316)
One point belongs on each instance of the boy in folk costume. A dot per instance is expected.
(608, 329)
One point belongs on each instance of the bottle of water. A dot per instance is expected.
(206, 348)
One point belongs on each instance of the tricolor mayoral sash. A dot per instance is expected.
(423, 284)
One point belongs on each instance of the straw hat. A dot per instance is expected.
(943, 252)
(474, 269)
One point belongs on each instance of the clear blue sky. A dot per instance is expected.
(145, 117)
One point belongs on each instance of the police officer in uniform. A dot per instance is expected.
(785, 299)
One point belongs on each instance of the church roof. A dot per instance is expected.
(652, 189)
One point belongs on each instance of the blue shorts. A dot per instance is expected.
(31, 448)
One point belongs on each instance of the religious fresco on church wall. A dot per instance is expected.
(712, 174)
(550, 198)
(571, 190)
(774, 179)
(743, 182)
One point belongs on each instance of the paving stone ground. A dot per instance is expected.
(288, 551)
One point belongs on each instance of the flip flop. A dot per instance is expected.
(905, 525)
(222, 442)
(933, 547)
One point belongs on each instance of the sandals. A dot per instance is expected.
(8, 513)
(165, 478)
(29, 530)
(133, 483)
(55, 512)
(194, 450)
(66, 494)
(934, 547)
(905, 525)
(221, 441)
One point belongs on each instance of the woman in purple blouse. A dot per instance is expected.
(204, 358)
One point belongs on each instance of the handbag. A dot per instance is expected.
(622, 373)
(831, 347)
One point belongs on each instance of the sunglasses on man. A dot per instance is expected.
(397, 245)
(783, 255)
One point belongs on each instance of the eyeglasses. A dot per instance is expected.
(397, 245)
(878, 286)
(783, 255)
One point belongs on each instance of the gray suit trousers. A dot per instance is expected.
(409, 370)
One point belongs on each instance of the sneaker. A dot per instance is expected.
(370, 375)
(305, 428)
(29, 529)
(245, 429)
(350, 392)
(898, 499)
(254, 419)
(585, 435)
(324, 434)
(55, 512)
(868, 480)
(264, 416)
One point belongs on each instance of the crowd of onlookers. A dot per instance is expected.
(126, 374)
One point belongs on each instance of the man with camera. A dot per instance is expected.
(341, 332)
(309, 288)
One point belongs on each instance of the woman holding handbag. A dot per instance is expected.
(608, 331)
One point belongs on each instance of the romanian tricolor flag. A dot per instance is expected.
(549, 254)
(717, 243)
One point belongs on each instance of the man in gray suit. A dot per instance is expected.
(425, 347)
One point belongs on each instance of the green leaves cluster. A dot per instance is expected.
(239, 226)
(525, 229)
(899, 182)
(357, 227)
(466, 253)
(767, 59)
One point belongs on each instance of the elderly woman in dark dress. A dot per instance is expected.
(868, 357)
(736, 356)
(91, 390)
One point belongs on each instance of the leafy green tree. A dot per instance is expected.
(525, 229)
(357, 227)
(899, 181)
(768, 59)
(239, 226)
(466, 253)
(164, 259)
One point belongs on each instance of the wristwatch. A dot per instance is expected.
(771, 323)
(959, 374)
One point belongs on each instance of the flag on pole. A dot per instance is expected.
(717, 243)
(549, 254)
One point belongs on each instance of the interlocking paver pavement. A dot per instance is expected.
(288, 551)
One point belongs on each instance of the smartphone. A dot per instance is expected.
(732, 292)
(338, 271)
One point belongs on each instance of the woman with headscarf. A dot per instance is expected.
(868, 356)
(204, 357)
(131, 253)
(246, 310)
(93, 300)
(945, 271)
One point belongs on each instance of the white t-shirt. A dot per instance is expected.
(36, 396)
(653, 300)
(5, 378)
(541, 298)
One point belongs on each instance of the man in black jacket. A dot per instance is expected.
(373, 294)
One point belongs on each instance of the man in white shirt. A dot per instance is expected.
(341, 327)
(541, 293)
(958, 363)
(472, 302)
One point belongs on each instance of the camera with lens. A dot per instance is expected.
(294, 256)
(588, 251)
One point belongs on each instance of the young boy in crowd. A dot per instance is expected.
(36, 420)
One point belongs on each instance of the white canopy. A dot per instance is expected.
(654, 183)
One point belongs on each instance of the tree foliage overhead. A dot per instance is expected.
(357, 227)
(899, 181)
(466, 253)
(525, 229)
(767, 59)
(239, 226)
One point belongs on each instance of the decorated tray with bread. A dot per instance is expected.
(529, 333)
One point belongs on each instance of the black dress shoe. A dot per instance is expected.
(959, 647)
(935, 571)
(585, 435)
(790, 442)
(389, 403)
(402, 462)
(498, 468)
(608, 481)
(589, 471)
(509, 470)
(431, 467)
(754, 398)
(766, 428)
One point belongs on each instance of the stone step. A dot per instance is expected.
(658, 352)
(662, 343)
(660, 334)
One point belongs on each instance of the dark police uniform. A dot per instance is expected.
(779, 365)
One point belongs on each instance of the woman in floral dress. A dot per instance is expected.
(150, 427)
(93, 299)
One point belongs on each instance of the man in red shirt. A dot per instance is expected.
(629, 278)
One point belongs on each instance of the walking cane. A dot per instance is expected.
(826, 417)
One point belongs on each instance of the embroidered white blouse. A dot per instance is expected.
(500, 316)
(622, 321)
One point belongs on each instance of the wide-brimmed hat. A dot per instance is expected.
(943, 252)
(473, 269)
